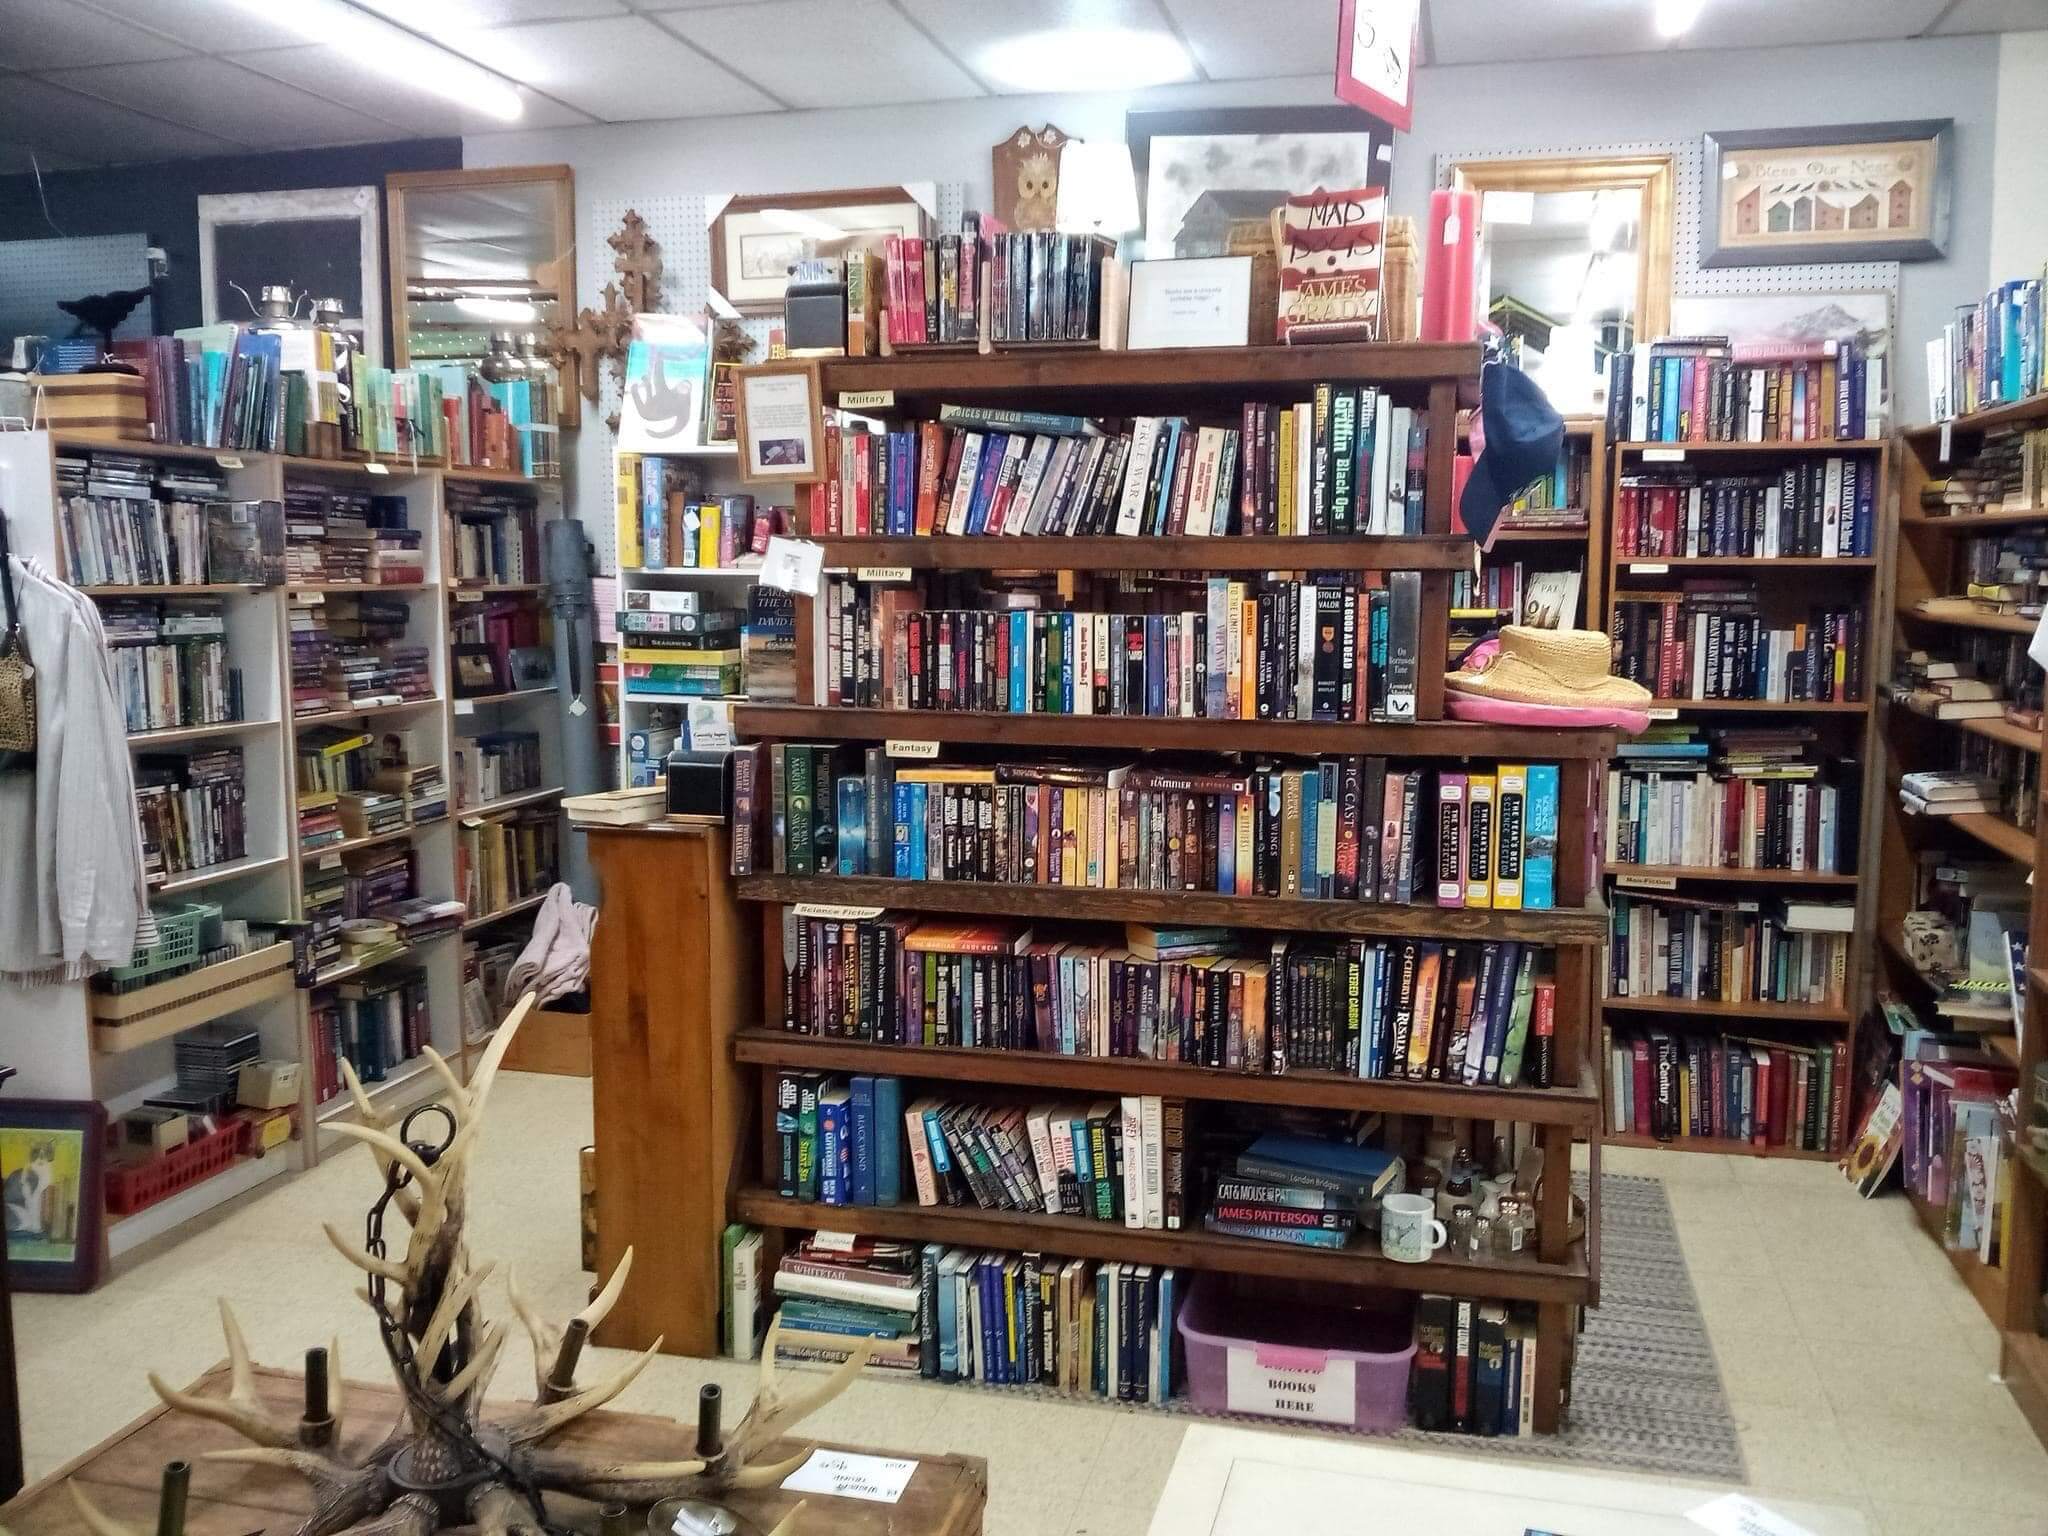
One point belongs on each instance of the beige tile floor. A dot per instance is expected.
(1859, 1370)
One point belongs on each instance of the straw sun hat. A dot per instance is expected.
(1551, 669)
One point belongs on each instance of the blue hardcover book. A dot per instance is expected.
(1020, 661)
(861, 1140)
(653, 513)
(935, 1140)
(1539, 838)
(1301, 1237)
(1156, 663)
(832, 1159)
(888, 1141)
(985, 482)
(991, 1307)
(948, 1309)
(853, 825)
(1499, 1004)
(903, 863)
(920, 813)
(902, 482)
(1361, 1164)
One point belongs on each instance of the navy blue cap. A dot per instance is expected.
(1521, 435)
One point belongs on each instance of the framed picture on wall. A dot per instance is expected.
(1859, 192)
(321, 243)
(755, 240)
(781, 423)
(50, 1173)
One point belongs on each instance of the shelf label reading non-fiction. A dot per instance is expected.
(228, 460)
(923, 751)
(1646, 882)
(1663, 455)
(465, 706)
(1301, 1384)
(835, 912)
(881, 573)
(866, 399)
(1662, 712)
(1648, 568)
(850, 1475)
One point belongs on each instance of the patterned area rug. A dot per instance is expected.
(1646, 1392)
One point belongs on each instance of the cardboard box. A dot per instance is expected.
(263, 1130)
(155, 1130)
(110, 405)
(268, 1085)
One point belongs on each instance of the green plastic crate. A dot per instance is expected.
(178, 942)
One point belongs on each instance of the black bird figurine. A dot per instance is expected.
(102, 311)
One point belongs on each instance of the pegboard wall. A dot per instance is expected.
(38, 273)
(1688, 278)
(677, 223)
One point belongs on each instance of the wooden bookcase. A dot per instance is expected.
(1787, 586)
(1930, 564)
(121, 1049)
(1585, 437)
(1561, 1276)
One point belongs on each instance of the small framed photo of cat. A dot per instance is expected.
(51, 1183)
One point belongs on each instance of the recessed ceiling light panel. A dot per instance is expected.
(1086, 59)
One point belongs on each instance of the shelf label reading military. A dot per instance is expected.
(866, 399)
(882, 573)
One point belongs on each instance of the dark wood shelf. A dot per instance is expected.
(2033, 408)
(1562, 925)
(1966, 523)
(1542, 535)
(1776, 445)
(1994, 832)
(1627, 565)
(1789, 1013)
(1764, 706)
(1579, 1106)
(986, 552)
(1732, 876)
(1237, 372)
(1724, 1146)
(1191, 1248)
(1434, 738)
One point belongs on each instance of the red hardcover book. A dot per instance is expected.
(1643, 1094)
(915, 331)
(931, 455)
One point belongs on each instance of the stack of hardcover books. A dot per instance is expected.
(1289, 1188)
(835, 1289)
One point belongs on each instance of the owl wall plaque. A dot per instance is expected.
(1026, 171)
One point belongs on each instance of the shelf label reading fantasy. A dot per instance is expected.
(848, 1475)
(923, 751)
(866, 399)
(1292, 1384)
(1662, 712)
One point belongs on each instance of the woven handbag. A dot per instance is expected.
(17, 683)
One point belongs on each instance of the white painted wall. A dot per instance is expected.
(2019, 214)
(1563, 105)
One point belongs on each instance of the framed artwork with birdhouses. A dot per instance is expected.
(1026, 177)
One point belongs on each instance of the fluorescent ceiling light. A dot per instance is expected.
(391, 50)
(1086, 59)
(1675, 17)
(511, 311)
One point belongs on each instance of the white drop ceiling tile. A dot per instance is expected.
(211, 26)
(1235, 41)
(406, 108)
(1996, 16)
(38, 113)
(56, 34)
(653, 6)
(800, 51)
(1468, 33)
(1772, 23)
(216, 96)
(620, 70)
(440, 18)
(971, 28)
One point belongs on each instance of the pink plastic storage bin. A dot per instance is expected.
(1378, 1340)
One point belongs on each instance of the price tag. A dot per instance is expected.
(477, 597)
(881, 573)
(1646, 882)
(849, 1475)
(832, 912)
(377, 469)
(465, 706)
(1663, 455)
(228, 460)
(1947, 434)
(793, 565)
(578, 708)
(1662, 712)
(866, 399)
(924, 751)
(1640, 568)
(1291, 1384)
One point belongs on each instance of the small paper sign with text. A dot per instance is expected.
(849, 1475)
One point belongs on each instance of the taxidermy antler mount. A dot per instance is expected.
(445, 1465)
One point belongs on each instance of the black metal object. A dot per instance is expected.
(562, 1378)
(710, 1412)
(170, 1499)
(316, 1424)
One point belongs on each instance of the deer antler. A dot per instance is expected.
(545, 1418)
(241, 1410)
(96, 1520)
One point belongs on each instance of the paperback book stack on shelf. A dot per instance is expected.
(1175, 936)
(193, 808)
(1709, 389)
(170, 660)
(1991, 354)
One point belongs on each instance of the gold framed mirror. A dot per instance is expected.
(481, 260)
(1577, 262)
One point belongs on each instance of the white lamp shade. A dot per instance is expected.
(1098, 190)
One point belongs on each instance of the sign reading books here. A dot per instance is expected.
(1292, 1384)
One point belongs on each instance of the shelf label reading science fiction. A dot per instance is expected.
(1292, 1384)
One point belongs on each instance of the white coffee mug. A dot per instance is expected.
(1409, 1230)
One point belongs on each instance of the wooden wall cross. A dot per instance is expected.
(637, 261)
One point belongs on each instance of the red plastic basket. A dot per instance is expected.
(141, 1185)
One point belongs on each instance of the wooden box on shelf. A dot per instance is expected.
(551, 1041)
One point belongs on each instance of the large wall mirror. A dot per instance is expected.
(1578, 256)
(481, 261)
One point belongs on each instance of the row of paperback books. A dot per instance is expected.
(495, 764)
(2007, 473)
(170, 663)
(1707, 389)
(1712, 640)
(1328, 648)
(336, 535)
(1559, 500)
(1686, 1086)
(1991, 353)
(506, 858)
(165, 531)
(1815, 508)
(1729, 952)
(1342, 829)
(193, 810)
(1954, 1141)
(1733, 799)
(667, 524)
(377, 1025)
(1346, 461)
(1474, 1371)
(967, 1314)
(1479, 1013)
(494, 533)
(1036, 285)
